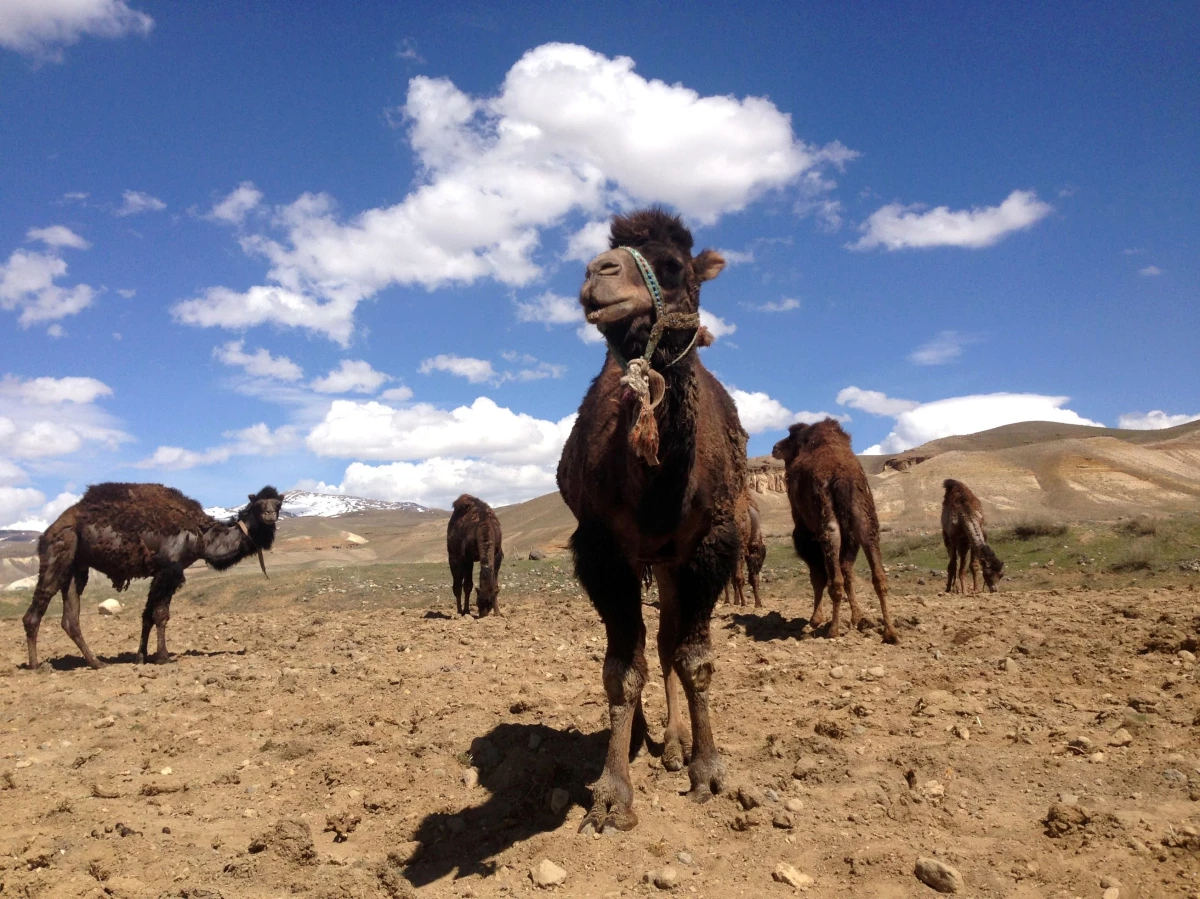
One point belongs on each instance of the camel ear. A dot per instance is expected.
(708, 265)
(251, 497)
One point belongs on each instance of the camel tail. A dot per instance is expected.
(975, 535)
(56, 558)
(487, 555)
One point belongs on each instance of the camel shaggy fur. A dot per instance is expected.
(473, 535)
(753, 554)
(652, 471)
(129, 531)
(834, 514)
(964, 535)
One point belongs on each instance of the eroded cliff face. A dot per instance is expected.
(766, 477)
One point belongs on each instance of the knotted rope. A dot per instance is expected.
(647, 385)
(246, 533)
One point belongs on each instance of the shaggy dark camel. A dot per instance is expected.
(473, 535)
(753, 554)
(964, 535)
(652, 471)
(129, 531)
(834, 514)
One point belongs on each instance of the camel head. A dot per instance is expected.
(805, 436)
(262, 515)
(616, 297)
(993, 568)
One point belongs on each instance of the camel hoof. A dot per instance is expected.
(889, 637)
(96, 664)
(708, 779)
(607, 822)
(161, 660)
(676, 752)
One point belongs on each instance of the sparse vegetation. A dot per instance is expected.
(1027, 530)
(1142, 526)
(1142, 554)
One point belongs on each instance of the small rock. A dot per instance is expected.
(877, 671)
(1120, 737)
(666, 879)
(1069, 799)
(921, 581)
(838, 672)
(559, 798)
(685, 858)
(794, 805)
(785, 873)
(938, 875)
(470, 778)
(748, 797)
(1112, 893)
(770, 795)
(546, 874)
(1187, 656)
(783, 820)
(110, 607)
(937, 654)
(108, 721)
(1010, 665)
(536, 555)
(405, 853)
(1107, 882)
(961, 732)
(535, 740)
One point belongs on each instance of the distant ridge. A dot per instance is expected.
(305, 504)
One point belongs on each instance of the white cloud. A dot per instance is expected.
(923, 422)
(26, 509)
(241, 200)
(127, 292)
(737, 257)
(1150, 271)
(874, 402)
(759, 412)
(716, 325)
(787, 304)
(406, 49)
(353, 375)
(34, 425)
(571, 132)
(10, 474)
(588, 242)
(551, 309)
(373, 430)
(589, 334)
(1153, 421)
(135, 202)
(42, 28)
(946, 347)
(58, 236)
(436, 482)
(477, 371)
(260, 363)
(401, 394)
(256, 440)
(896, 226)
(27, 280)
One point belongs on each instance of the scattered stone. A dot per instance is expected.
(1107, 882)
(785, 873)
(961, 732)
(748, 798)
(1010, 665)
(838, 672)
(559, 799)
(107, 721)
(536, 555)
(794, 805)
(110, 607)
(1187, 656)
(1061, 819)
(877, 671)
(546, 874)
(937, 654)
(1120, 737)
(1081, 746)
(406, 853)
(938, 875)
(770, 795)
(666, 879)
(342, 824)
(1111, 893)
(685, 858)
(290, 839)
(470, 778)
(783, 820)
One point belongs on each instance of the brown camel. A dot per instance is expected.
(834, 514)
(753, 554)
(652, 471)
(473, 535)
(129, 531)
(964, 535)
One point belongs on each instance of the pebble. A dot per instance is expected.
(877, 671)
(470, 778)
(1010, 665)
(166, 771)
(1107, 882)
(1120, 737)
(937, 654)
(938, 875)
(771, 795)
(666, 879)
(1187, 656)
(794, 805)
(546, 874)
(961, 732)
(838, 672)
(748, 798)
(108, 721)
(1112, 893)
(559, 798)
(785, 873)
(783, 820)
(685, 858)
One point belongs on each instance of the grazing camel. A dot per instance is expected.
(129, 531)
(753, 554)
(834, 514)
(964, 535)
(473, 535)
(652, 471)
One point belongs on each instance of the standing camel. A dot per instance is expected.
(834, 514)
(652, 471)
(473, 535)
(754, 552)
(129, 531)
(964, 535)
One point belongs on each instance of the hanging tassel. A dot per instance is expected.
(648, 387)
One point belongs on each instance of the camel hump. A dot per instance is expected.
(463, 502)
(949, 483)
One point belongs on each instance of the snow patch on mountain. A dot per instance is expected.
(304, 504)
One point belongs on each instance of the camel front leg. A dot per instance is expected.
(974, 570)
(677, 746)
(952, 568)
(33, 617)
(157, 612)
(70, 617)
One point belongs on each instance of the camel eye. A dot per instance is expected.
(670, 272)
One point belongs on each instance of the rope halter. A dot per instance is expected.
(648, 385)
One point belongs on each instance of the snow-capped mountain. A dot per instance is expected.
(303, 504)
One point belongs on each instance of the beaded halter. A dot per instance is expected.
(647, 384)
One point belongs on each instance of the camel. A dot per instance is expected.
(834, 514)
(652, 471)
(129, 531)
(754, 552)
(964, 535)
(473, 535)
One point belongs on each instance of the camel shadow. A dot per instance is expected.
(74, 663)
(519, 765)
(774, 626)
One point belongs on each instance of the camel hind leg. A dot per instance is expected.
(677, 744)
(809, 550)
(879, 581)
(846, 561)
(70, 616)
(55, 571)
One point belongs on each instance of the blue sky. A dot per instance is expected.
(338, 246)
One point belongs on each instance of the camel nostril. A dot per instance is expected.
(605, 269)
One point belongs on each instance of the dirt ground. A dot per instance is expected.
(360, 740)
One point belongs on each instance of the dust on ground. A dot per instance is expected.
(352, 737)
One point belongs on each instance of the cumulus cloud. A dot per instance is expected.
(897, 226)
(497, 172)
(43, 28)
(26, 509)
(1154, 420)
(946, 347)
(260, 363)
(1150, 271)
(588, 242)
(256, 440)
(550, 309)
(437, 482)
(477, 371)
(233, 209)
(352, 376)
(760, 412)
(918, 423)
(34, 424)
(589, 334)
(401, 394)
(28, 279)
(716, 325)
(134, 202)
